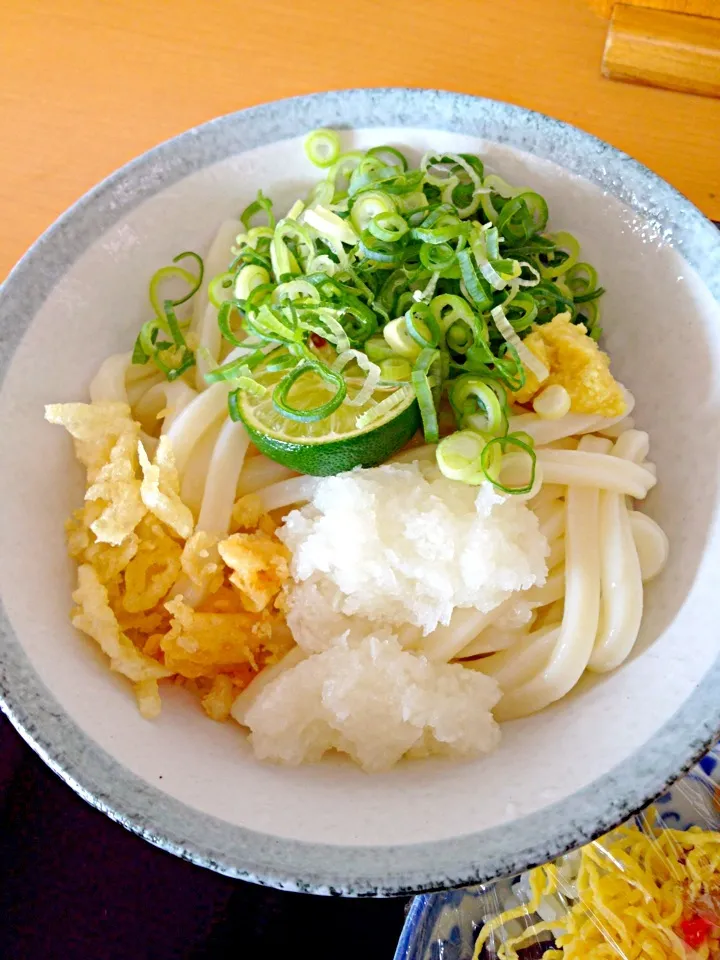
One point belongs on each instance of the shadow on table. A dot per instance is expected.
(76, 886)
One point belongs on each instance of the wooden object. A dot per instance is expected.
(661, 49)
(87, 85)
(698, 8)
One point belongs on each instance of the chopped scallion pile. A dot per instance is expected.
(399, 276)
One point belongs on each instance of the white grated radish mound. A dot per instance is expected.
(403, 544)
(375, 702)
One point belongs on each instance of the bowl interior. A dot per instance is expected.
(662, 332)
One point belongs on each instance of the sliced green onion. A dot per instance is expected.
(389, 156)
(581, 278)
(220, 288)
(248, 279)
(343, 169)
(423, 391)
(422, 326)
(399, 340)
(527, 357)
(139, 356)
(378, 250)
(173, 326)
(296, 290)
(371, 380)
(389, 227)
(525, 305)
(262, 204)
(368, 205)
(378, 349)
(477, 287)
(492, 465)
(564, 242)
(323, 410)
(459, 457)
(180, 359)
(394, 369)
(436, 256)
(148, 335)
(508, 367)
(383, 409)
(330, 226)
(224, 318)
(232, 370)
(322, 147)
(167, 273)
(325, 324)
(467, 393)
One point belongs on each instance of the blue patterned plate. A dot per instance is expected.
(443, 926)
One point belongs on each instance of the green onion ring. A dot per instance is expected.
(423, 391)
(280, 393)
(322, 147)
(488, 455)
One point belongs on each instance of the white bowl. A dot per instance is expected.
(192, 786)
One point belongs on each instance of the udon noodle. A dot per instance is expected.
(589, 471)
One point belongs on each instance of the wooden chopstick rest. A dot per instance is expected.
(664, 49)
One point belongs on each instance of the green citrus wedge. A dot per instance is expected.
(339, 442)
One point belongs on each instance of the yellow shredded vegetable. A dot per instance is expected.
(639, 893)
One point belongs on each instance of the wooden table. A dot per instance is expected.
(85, 85)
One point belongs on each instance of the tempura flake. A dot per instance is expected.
(133, 541)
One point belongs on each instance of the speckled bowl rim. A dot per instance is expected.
(290, 864)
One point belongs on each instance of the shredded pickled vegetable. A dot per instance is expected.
(639, 891)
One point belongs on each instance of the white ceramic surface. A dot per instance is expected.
(192, 785)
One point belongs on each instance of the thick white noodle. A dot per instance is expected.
(651, 543)
(633, 445)
(519, 663)
(252, 691)
(547, 510)
(136, 372)
(572, 424)
(217, 261)
(287, 493)
(467, 623)
(492, 638)
(225, 466)
(577, 633)
(549, 493)
(195, 419)
(613, 432)
(557, 552)
(495, 637)
(192, 485)
(136, 389)
(218, 499)
(446, 642)
(108, 384)
(171, 397)
(554, 524)
(260, 471)
(621, 591)
(553, 589)
(583, 468)
(485, 639)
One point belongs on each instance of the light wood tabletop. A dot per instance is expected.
(85, 85)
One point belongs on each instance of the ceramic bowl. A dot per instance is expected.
(444, 926)
(192, 786)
